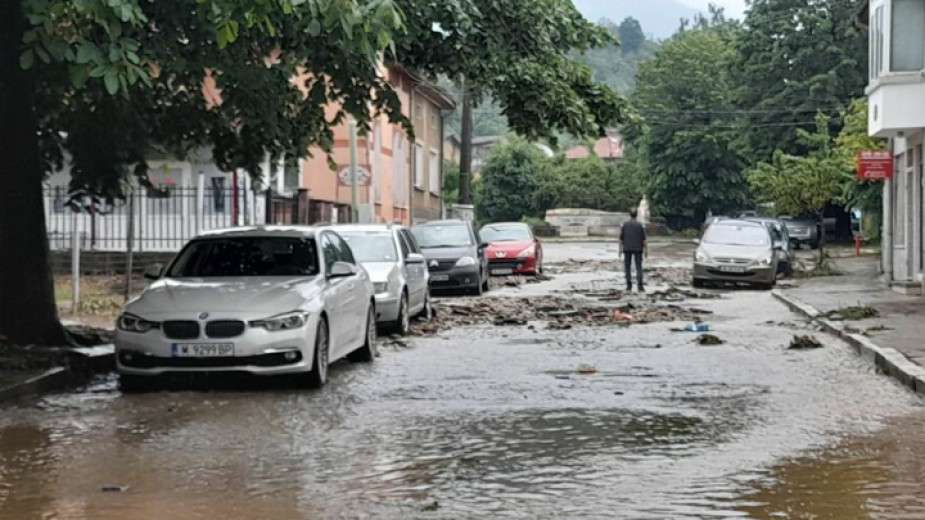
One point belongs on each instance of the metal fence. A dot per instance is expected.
(148, 219)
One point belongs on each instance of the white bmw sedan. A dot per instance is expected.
(266, 300)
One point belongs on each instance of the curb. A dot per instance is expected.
(889, 360)
(83, 364)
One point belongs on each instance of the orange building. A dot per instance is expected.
(399, 181)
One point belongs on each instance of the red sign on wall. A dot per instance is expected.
(875, 165)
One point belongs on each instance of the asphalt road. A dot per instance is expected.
(484, 421)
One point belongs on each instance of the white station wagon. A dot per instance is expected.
(264, 300)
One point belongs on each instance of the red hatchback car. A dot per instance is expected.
(512, 249)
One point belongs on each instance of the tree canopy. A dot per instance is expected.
(687, 143)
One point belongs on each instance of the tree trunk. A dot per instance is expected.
(28, 315)
(465, 155)
(821, 260)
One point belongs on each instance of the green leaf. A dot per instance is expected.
(27, 59)
(111, 79)
(314, 28)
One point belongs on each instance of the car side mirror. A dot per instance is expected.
(414, 258)
(483, 245)
(696, 241)
(153, 271)
(342, 270)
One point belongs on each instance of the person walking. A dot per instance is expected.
(634, 247)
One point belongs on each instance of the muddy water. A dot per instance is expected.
(497, 422)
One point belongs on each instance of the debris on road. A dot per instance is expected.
(709, 340)
(433, 506)
(855, 313)
(114, 489)
(586, 369)
(697, 326)
(559, 313)
(804, 343)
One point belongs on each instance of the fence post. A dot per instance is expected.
(268, 207)
(246, 189)
(130, 249)
(142, 216)
(75, 264)
(200, 203)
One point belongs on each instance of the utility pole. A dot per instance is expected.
(465, 155)
(354, 195)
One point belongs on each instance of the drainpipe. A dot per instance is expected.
(887, 253)
(443, 114)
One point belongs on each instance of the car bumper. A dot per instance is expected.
(509, 267)
(387, 307)
(752, 274)
(457, 278)
(256, 351)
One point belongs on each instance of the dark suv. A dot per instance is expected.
(455, 255)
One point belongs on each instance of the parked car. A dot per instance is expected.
(781, 239)
(736, 251)
(455, 255)
(512, 249)
(397, 268)
(802, 231)
(267, 300)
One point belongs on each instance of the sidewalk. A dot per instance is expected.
(900, 325)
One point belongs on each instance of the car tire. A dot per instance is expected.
(132, 384)
(402, 324)
(765, 286)
(486, 283)
(318, 377)
(368, 351)
(479, 289)
(698, 283)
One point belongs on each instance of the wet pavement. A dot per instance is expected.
(607, 420)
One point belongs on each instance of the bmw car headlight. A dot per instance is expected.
(530, 251)
(701, 256)
(131, 323)
(466, 261)
(381, 287)
(288, 321)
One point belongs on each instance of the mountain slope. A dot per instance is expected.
(661, 18)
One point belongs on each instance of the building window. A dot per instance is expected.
(418, 166)
(907, 39)
(876, 43)
(399, 169)
(434, 173)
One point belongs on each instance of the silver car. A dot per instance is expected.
(736, 251)
(396, 266)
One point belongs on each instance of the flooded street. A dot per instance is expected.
(486, 421)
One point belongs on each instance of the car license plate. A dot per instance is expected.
(731, 269)
(502, 272)
(439, 278)
(202, 350)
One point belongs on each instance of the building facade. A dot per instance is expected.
(399, 180)
(896, 97)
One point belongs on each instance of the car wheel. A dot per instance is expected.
(697, 283)
(766, 286)
(479, 288)
(367, 352)
(402, 324)
(319, 374)
(131, 384)
(486, 283)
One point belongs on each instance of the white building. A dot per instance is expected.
(896, 96)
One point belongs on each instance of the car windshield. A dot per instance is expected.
(374, 246)
(246, 256)
(434, 237)
(744, 235)
(505, 233)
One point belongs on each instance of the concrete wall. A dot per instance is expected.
(585, 217)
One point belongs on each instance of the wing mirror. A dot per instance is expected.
(696, 241)
(414, 258)
(342, 270)
(153, 271)
(484, 245)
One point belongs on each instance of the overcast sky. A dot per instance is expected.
(734, 8)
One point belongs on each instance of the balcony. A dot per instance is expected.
(896, 93)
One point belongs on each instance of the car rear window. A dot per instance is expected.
(246, 256)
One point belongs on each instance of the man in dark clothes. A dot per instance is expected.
(633, 240)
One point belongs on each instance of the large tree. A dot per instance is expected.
(688, 137)
(107, 80)
(521, 54)
(510, 177)
(795, 58)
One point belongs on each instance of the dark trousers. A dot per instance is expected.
(628, 259)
